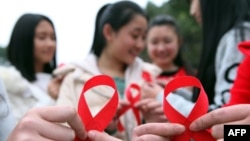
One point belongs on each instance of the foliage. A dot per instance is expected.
(190, 30)
(2, 55)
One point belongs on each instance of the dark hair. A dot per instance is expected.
(116, 15)
(218, 17)
(21, 46)
(168, 20)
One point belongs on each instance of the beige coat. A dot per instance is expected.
(23, 95)
(78, 73)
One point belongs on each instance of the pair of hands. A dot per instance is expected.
(42, 124)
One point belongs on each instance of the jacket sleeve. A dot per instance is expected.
(240, 92)
(7, 119)
(228, 58)
(67, 95)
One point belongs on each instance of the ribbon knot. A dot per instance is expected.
(103, 118)
(200, 108)
(132, 100)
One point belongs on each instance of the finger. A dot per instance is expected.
(218, 130)
(154, 105)
(150, 137)
(143, 102)
(55, 131)
(156, 111)
(159, 110)
(161, 129)
(30, 138)
(157, 118)
(162, 118)
(222, 115)
(99, 136)
(21, 133)
(64, 114)
(124, 103)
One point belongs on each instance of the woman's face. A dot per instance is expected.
(128, 42)
(195, 10)
(44, 42)
(162, 45)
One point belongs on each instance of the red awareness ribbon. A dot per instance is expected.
(200, 108)
(132, 100)
(104, 117)
(245, 47)
(147, 76)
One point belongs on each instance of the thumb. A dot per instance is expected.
(99, 136)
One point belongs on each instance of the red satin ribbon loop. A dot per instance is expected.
(132, 100)
(200, 108)
(103, 118)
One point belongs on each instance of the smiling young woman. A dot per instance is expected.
(31, 53)
(119, 38)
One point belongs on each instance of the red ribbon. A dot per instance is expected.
(132, 100)
(147, 76)
(245, 47)
(200, 108)
(104, 117)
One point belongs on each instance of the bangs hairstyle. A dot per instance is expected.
(20, 51)
(116, 15)
(167, 20)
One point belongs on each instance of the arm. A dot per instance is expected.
(42, 124)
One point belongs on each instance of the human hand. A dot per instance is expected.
(150, 90)
(42, 124)
(157, 131)
(54, 87)
(113, 124)
(151, 110)
(99, 136)
(237, 114)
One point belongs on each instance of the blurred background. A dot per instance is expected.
(74, 23)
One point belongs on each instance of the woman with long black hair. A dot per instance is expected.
(224, 23)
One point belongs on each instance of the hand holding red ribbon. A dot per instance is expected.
(103, 118)
(200, 108)
(132, 100)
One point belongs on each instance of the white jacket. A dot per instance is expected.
(81, 71)
(22, 94)
(7, 120)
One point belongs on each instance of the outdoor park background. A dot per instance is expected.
(78, 45)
